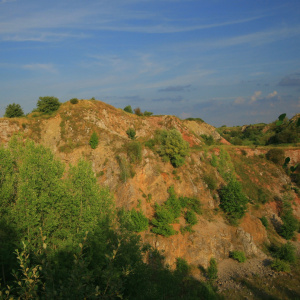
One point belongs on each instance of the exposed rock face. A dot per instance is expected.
(68, 133)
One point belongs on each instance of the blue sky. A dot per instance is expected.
(227, 62)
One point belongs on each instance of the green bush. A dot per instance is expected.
(13, 111)
(264, 221)
(173, 147)
(182, 267)
(193, 204)
(286, 252)
(94, 140)
(191, 217)
(208, 139)
(48, 104)
(134, 151)
(276, 156)
(280, 266)
(238, 255)
(74, 101)
(148, 113)
(128, 109)
(131, 133)
(289, 226)
(212, 270)
(233, 201)
(211, 181)
(133, 220)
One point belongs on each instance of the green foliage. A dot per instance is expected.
(126, 170)
(134, 151)
(276, 156)
(214, 160)
(280, 119)
(280, 266)
(212, 270)
(286, 252)
(13, 111)
(191, 217)
(233, 201)
(128, 109)
(48, 104)
(265, 222)
(195, 119)
(133, 220)
(94, 140)
(131, 133)
(173, 147)
(74, 101)
(193, 204)
(182, 267)
(148, 113)
(289, 226)
(208, 139)
(211, 181)
(238, 255)
(225, 166)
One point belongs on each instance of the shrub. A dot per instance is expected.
(193, 204)
(126, 170)
(48, 104)
(182, 267)
(289, 226)
(134, 151)
(208, 139)
(233, 201)
(173, 147)
(128, 109)
(148, 113)
(212, 270)
(191, 217)
(280, 266)
(13, 111)
(238, 255)
(94, 140)
(276, 156)
(264, 221)
(74, 100)
(211, 182)
(138, 111)
(134, 220)
(286, 252)
(131, 133)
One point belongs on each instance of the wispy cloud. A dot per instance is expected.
(177, 88)
(40, 67)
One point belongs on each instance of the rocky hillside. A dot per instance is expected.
(68, 131)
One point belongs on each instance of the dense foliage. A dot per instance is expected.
(13, 111)
(48, 104)
(94, 140)
(128, 109)
(173, 147)
(131, 133)
(60, 234)
(233, 201)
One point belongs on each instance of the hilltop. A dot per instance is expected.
(141, 178)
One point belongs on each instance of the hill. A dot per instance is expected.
(145, 176)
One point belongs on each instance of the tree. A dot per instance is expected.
(138, 111)
(233, 201)
(13, 111)
(128, 109)
(94, 140)
(48, 104)
(173, 147)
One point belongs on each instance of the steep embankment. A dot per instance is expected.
(68, 132)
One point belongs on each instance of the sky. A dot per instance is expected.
(230, 62)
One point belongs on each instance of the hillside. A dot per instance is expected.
(140, 177)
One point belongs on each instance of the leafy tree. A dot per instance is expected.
(173, 147)
(191, 217)
(74, 100)
(212, 270)
(133, 220)
(148, 113)
(233, 201)
(13, 111)
(128, 109)
(276, 156)
(48, 104)
(94, 140)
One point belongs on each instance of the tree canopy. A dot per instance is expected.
(48, 104)
(13, 110)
